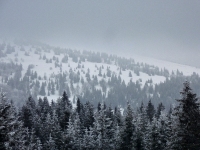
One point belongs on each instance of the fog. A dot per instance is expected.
(167, 30)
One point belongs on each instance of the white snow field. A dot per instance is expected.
(30, 57)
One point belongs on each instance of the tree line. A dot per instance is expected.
(58, 125)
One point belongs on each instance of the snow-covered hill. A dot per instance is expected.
(49, 62)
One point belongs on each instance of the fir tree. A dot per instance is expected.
(102, 128)
(42, 90)
(100, 74)
(11, 131)
(141, 128)
(187, 133)
(56, 133)
(73, 135)
(130, 74)
(50, 144)
(88, 115)
(159, 110)
(64, 110)
(127, 141)
(27, 113)
(150, 111)
(88, 140)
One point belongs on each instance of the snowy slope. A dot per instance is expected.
(185, 69)
(43, 68)
(33, 56)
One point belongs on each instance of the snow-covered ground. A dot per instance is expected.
(48, 69)
(43, 68)
(171, 66)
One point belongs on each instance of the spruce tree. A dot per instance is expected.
(27, 113)
(187, 115)
(88, 115)
(164, 127)
(127, 137)
(141, 128)
(42, 90)
(64, 110)
(102, 129)
(50, 144)
(88, 140)
(150, 110)
(159, 109)
(11, 131)
(152, 137)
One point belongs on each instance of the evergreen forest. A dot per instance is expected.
(40, 125)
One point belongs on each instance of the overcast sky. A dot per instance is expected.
(168, 29)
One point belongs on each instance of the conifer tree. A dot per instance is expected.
(88, 139)
(42, 90)
(70, 133)
(118, 116)
(88, 115)
(52, 88)
(78, 106)
(38, 145)
(64, 110)
(100, 74)
(164, 127)
(27, 113)
(187, 119)
(81, 112)
(152, 136)
(130, 74)
(127, 137)
(56, 133)
(50, 144)
(11, 131)
(150, 111)
(141, 128)
(159, 110)
(31, 140)
(102, 128)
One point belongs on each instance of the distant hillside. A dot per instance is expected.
(41, 70)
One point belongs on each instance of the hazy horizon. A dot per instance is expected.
(166, 30)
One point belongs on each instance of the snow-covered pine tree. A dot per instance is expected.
(42, 90)
(141, 127)
(80, 111)
(164, 127)
(50, 144)
(150, 110)
(160, 108)
(27, 113)
(88, 115)
(31, 140)
(45, 129)
(73, 134)
(187, 121)
(70, 133)
(64, 109)
(116, 138)
(38, 144)
(102, 128)
(127, 136)
(152, 137)
(11, 131)
(88, 139)
(118, 116)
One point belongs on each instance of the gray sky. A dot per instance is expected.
(167, 29)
